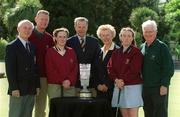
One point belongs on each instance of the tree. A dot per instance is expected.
(4, 6)
(172, 18)
(138, 16)
(97, 11)
(62, 13)
(115, 12)
(24, 9)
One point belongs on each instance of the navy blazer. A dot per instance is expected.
(21, 69)
(90, 55)
(103, 77)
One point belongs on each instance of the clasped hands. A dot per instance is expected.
(66, 84)
(119, 83)
(102, 87)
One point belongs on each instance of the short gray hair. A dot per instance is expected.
(80, 19)
(25, 21)
(42, 12)
(149, 23)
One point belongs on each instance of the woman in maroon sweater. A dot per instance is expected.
(61, 66)
(124, 68)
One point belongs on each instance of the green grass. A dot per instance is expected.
(174, 96)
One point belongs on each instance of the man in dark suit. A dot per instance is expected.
(21, 72)
(86, 48)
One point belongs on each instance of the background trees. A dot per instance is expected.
(172, 19)
(138, 16)
(119, 13)
(23, 9)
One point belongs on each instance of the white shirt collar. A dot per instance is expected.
(81, 38)
(111, 47)
(105, 52)
(23, 41)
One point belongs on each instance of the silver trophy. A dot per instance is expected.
(85, 70)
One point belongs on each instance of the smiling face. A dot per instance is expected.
(149, 34)
(106, 36)
(42, 21)
(126, 38)
(61, 38)
(81, 28)
(25, 30)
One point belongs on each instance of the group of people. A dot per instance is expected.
(38, 64)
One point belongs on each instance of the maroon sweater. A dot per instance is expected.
(126, 66)
(42, 43)
(60, 68)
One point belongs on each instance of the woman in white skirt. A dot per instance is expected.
(124, 68)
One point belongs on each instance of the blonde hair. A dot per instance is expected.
(106, 27)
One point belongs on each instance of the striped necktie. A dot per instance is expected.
(82, 44)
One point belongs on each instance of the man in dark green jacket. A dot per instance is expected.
(158, 68)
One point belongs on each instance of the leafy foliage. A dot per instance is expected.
(4, 6)
(139, 15)
(3, 44)
(97, 11)
(23, 10)
(172, 18)
(115, 12)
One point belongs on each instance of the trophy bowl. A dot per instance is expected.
(84, 79)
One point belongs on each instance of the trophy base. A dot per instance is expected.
(85, 94)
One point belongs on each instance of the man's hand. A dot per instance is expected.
(16, 93)
(102, 88)
(105, 88)
(163, 90)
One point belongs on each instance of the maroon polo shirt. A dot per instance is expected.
(41, 41)
(126, 65)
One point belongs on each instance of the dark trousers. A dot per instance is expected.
(108, 96)
(155, 105)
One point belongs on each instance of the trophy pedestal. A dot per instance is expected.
(85, 94)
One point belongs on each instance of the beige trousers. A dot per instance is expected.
(54, 90)
(41, 99)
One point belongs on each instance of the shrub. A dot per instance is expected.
(3, 44)
(141, 14)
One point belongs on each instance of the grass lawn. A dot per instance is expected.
(174, 96)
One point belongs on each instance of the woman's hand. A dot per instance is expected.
(66, 84)
(119, 83)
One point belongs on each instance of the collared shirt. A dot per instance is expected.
(23, 41)
(105, 52)
(80, 38)
(39, 34)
